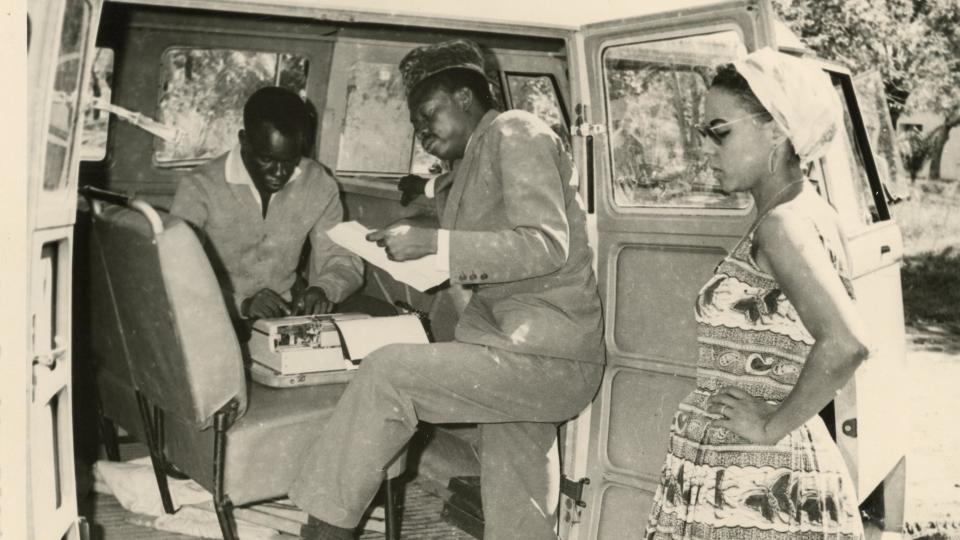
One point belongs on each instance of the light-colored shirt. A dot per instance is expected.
(251, 252)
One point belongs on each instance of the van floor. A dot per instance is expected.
(421, 518)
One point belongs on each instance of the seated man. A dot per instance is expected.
(527, 353)
(256, 206)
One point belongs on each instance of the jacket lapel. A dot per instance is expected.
(461, 172)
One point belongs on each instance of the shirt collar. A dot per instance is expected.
(236, 172)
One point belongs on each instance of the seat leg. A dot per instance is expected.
(108, 435)
(221, 502)
(156, 453)
(224, 509)
(393, 493)
(108, 431)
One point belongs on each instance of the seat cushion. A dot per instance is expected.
(264, 447)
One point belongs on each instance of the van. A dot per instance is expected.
(152, 87)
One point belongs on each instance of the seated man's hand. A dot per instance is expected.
(313, 301)
(406, 240)
(411, 186)
(264, 304)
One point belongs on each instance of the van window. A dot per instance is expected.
(97, 122)
(203, 91)
(376, 137)
(883, 141)
(377, 134)
(654, 97)
(66, 94)
(538, 94)
(844, 175)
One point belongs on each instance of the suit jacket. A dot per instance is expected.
(518, 238)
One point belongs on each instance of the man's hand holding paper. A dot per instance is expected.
(412, 246)
(405, 240)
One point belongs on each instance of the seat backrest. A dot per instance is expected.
(168, 312)
(105, 329)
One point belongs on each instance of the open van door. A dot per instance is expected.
(869, 412)
(59, 55)
(662, 226)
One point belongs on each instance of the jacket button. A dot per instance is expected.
(473, 277)
(483, 275)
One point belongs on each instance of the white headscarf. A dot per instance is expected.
(799, 96)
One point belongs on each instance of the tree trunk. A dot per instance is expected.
(896, 98)
(938, 139)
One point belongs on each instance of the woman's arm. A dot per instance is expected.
(791, 250)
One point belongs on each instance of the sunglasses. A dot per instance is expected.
(708, 131)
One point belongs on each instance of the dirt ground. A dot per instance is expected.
(933, 456)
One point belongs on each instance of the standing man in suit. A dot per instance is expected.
(527, 353)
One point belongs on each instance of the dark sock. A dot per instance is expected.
(321, 530)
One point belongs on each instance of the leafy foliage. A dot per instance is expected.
(891, 36)
(915, 44)
(536, 94)
(204, 91)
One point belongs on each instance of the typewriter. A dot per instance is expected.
(315, 349)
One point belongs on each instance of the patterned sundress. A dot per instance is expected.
(717, 485)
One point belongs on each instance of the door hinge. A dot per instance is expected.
(849, 427)
(574, 490)
(582, 128)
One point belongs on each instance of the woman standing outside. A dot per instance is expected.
(778, 331)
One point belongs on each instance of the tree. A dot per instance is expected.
(891, 36)
(914, 150)
(941, 94)
(914, 44)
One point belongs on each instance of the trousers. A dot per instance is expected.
(518, 400)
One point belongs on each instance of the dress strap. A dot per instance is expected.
(766, 212)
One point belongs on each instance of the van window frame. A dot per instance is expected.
(175, 164)
(85, 148)
(624, 211)
(536, 74)
(145, 32)
(347, 52)
(862, 139)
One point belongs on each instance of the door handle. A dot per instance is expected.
(884, 250)
(49, 359)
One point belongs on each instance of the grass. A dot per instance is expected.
(931, 288)
(930, 222)
(929, 219)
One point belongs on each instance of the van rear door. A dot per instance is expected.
(662, 227)
(869, 411)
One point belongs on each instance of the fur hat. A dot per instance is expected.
(427, 60)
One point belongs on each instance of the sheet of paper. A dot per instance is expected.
(421, 274)
(363, 336)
